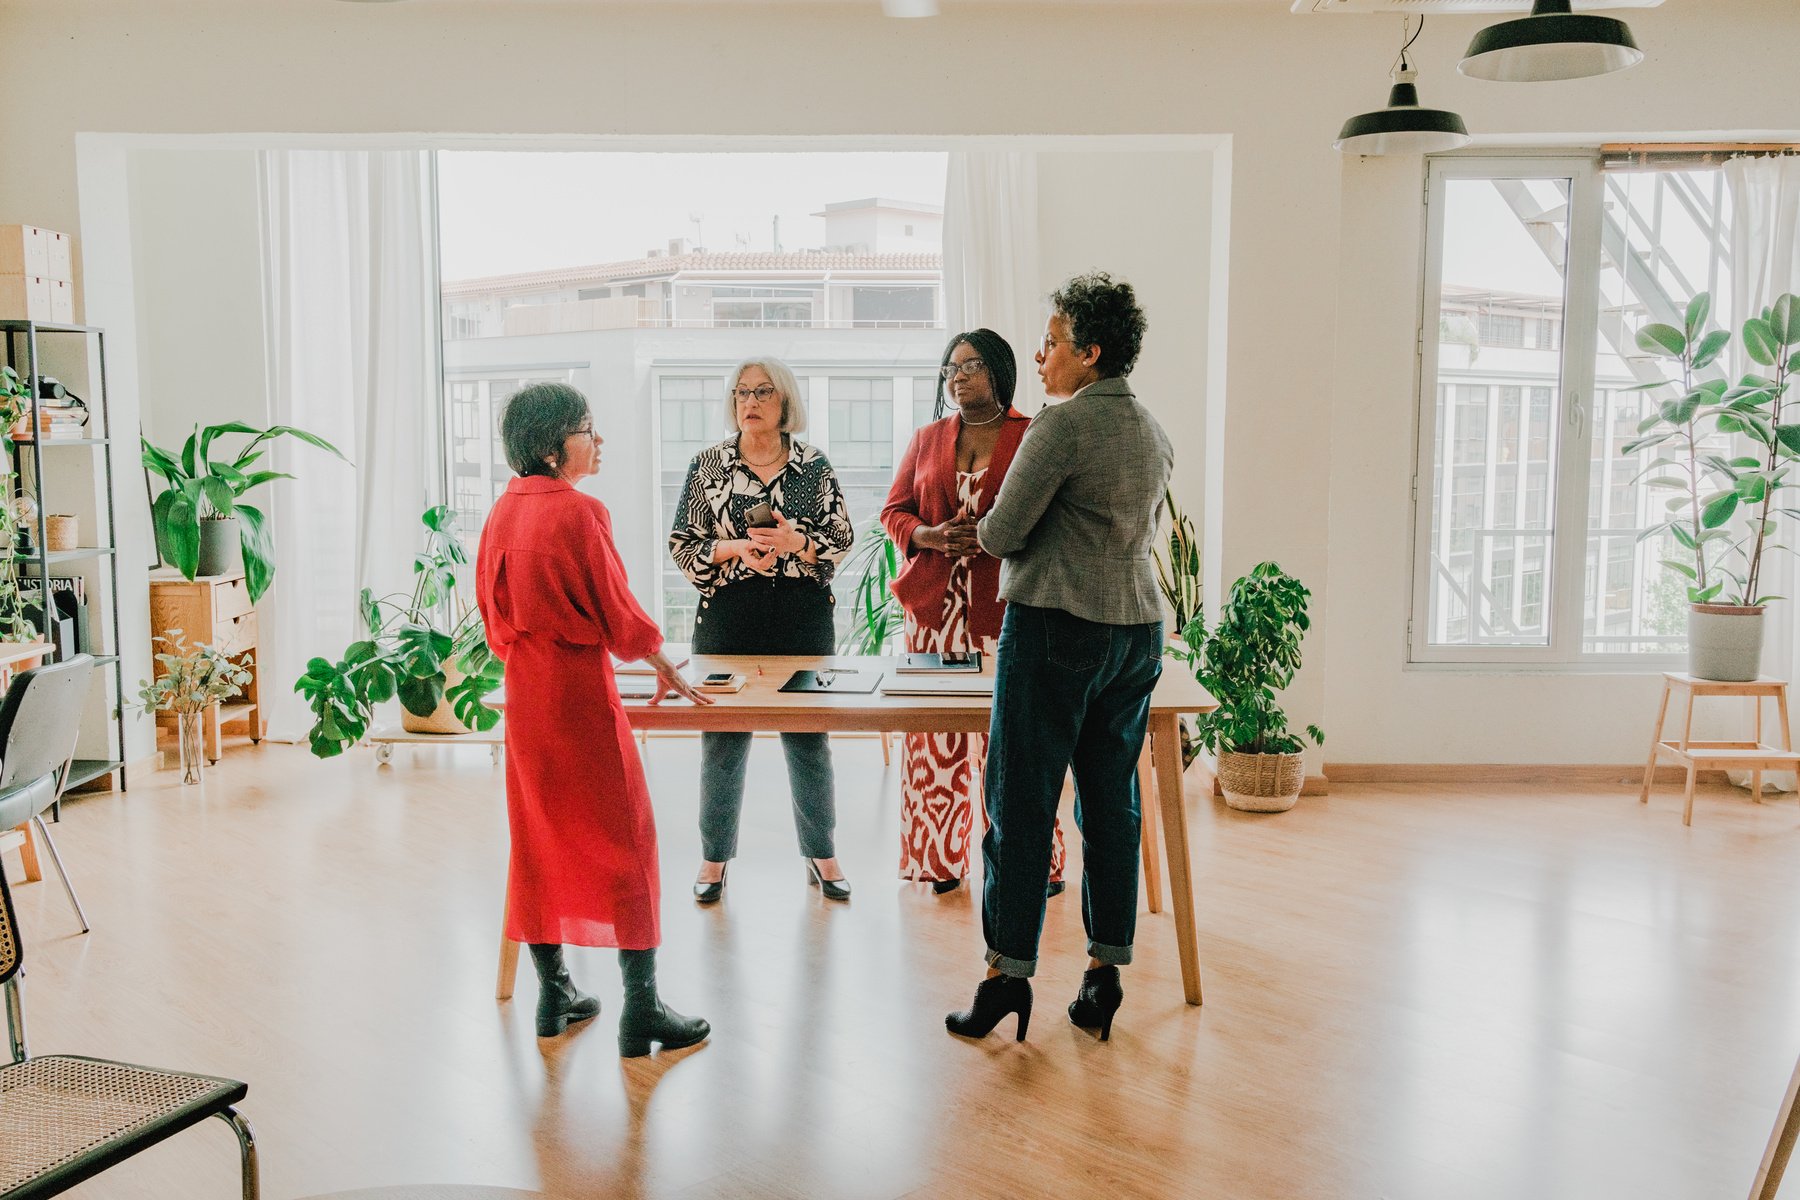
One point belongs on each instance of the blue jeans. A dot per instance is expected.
(1067, 693)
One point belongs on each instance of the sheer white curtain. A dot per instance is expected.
(1765, 262)
(350, 328)
(991, 252)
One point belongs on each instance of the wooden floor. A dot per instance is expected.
(1507, 993)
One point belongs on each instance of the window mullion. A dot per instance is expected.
(1578, 412)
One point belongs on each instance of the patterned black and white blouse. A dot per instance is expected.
(721, 488)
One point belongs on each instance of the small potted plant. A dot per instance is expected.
(1178, 576)
(192, 679)
(202, 525)
(425, 647)
(15, 400)
(876, 618)
(1245, 662)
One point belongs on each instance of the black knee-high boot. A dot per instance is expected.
(646, 1018)
(558, 1001)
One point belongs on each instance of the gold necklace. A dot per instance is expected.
(999, 411)
(753, 462)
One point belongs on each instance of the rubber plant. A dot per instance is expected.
(202, 488)
(412, 638)
(1678, 428)
(1754, 485)
(875, 614)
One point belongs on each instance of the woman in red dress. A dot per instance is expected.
(558, 610)
(950, 590)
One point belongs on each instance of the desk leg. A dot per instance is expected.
(1781, 1144)
(1166, 752)
(1147, 805)
(1662, 714)
(28, 855)
(210, 726)
(509, 949)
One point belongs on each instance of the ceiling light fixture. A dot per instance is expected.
(1552, 43)
(1403, 127)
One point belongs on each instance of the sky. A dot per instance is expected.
(501, 212)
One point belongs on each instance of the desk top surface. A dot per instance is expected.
(1176, 692)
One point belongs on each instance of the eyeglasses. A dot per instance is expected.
(1052, 341)
(762, 395)
(587, 431)
(968, 368)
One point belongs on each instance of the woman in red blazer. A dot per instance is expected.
(950, 589)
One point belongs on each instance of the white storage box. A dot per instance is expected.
(28, 250)
(26, 298)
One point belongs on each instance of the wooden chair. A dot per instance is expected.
(38, 723)
(65, 1119)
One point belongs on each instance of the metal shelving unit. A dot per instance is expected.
(25, 355)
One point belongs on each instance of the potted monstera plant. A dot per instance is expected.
(203, 526)
(425, 647)
(1726, 512)
(1245, 662)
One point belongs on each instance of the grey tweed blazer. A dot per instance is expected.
(1078, 510)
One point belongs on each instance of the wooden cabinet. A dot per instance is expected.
(214, 609)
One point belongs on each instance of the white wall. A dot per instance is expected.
(1323, 254)
(197, 263)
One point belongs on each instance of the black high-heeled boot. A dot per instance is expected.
(558, 1001)
(646, 1018)
(994, 999)
(1099, 998)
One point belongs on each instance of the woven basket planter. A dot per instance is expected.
(1261, 782)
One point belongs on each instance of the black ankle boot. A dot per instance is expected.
(1099, 998)
(646, 1018)
(994, 999)
(558, 1001)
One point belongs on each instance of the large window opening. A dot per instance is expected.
(1539, 274)
(642, 279)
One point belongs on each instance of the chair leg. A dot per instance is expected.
(246, 1137)
(15, 1020)
(61, 871)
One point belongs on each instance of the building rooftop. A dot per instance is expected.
(662, 266)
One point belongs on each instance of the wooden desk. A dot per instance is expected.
(761, 707)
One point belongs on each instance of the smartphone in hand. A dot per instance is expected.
(760, 516)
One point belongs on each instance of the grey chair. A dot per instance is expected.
(38, 722)
(65, 1119)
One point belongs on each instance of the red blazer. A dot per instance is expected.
(924, 493)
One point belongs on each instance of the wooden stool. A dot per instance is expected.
(1752, 756)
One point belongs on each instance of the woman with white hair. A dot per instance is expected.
(764, 576)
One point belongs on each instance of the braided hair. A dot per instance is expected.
(1003, 369)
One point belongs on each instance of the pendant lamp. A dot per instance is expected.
(1403, 127)
(1552, 43)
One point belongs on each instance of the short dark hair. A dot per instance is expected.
(1104, 314)
(537, 421)
(1003, 368)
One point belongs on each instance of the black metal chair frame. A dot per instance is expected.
(210, 1096)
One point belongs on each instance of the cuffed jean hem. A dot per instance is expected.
(1018, 968)
(1109, 956)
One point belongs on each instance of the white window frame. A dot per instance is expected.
(1570, 420)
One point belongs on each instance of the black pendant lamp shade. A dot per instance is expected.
(1552, 43)
(1403, 127)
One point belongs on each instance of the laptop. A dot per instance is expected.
(938, 685)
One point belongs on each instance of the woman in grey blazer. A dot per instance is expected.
(1080, 651)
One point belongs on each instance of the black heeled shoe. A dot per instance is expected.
(1054, 889)
(709, 893)
(944, 886)
(647, 1019)
(831, 889)
(994, 999)
(1099, 998)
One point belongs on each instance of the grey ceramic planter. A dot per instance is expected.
(221, 552)
(1725, 642)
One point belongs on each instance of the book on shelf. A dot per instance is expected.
(950, 662)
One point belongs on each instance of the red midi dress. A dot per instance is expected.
(553, 592)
